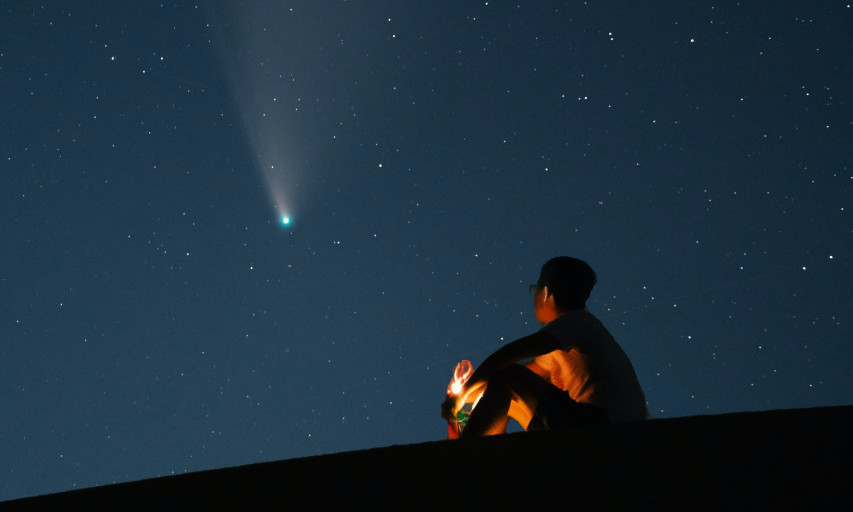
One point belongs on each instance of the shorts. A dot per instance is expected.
(556, 409)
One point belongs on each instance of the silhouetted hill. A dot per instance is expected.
(774, 460)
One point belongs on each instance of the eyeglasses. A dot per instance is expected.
(533, 289)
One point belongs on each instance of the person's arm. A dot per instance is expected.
(527, 347)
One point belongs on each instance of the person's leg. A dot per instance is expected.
(491, 415)
(556, 409)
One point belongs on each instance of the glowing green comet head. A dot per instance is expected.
(285, 220)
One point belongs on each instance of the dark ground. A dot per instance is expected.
(784, 459)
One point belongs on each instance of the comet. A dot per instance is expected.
(263, 102)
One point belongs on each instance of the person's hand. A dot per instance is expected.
(448, 408)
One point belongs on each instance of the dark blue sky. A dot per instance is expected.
(156, 318)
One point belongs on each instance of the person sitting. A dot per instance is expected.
(570, 372)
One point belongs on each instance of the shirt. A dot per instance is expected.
(592, 367)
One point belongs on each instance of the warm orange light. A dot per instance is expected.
(461, 373)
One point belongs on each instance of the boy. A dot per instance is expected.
(570, 372)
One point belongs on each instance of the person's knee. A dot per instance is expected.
(499, 385)
(508, 377)
(519, 382)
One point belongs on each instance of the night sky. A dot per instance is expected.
(157, 317)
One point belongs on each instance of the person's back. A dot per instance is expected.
(592, 367)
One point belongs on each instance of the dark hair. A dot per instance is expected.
(569, 280)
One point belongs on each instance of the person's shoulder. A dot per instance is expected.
(573, 324)
(566, 323)
(573, 316)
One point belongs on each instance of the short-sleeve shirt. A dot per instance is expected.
(592, 367)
